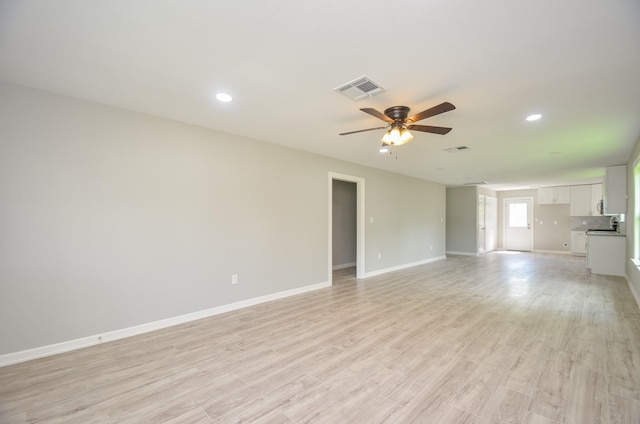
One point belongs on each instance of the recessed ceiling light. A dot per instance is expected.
(384, 149)
(224, 97)
(534, 117)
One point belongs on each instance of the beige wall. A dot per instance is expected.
(552, 228)
(112, 219)
(552, 223)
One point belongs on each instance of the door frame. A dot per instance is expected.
(360, 215)
(505, 221)
(481, 229)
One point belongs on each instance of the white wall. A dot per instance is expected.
(633, 273)
(111, 219)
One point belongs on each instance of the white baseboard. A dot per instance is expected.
(40, 352)
(449, 252)
(399, 267)
(343, 266)
(556, 252)
(634, 292)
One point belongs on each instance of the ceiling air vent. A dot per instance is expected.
(476, 183)
(360, 88)
(457, 149)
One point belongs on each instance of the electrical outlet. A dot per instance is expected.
(379, 255)
(234, 279)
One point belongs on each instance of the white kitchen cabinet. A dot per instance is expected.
(578, 243)
(581, 200)
(596, 199)
(585, 200)
(606, 254)
(615, 190)
(554, 195)
(545, 195)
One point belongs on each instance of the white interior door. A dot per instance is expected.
(481, 224)
(491, 223)
(487, 223)
(518, 216)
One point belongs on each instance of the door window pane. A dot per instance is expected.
(518, 215)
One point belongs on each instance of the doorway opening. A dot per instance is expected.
(346, 232)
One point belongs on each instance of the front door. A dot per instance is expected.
(518, 234)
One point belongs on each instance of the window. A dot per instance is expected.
(518, 215)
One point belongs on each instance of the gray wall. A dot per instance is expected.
(111, 219)
(462, 218)
(344, 223)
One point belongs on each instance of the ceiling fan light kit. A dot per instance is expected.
(397, 136)
(399, 123)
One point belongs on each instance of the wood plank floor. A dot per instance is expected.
(504, 338)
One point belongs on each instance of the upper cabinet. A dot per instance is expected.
(554, 195)
(596, 199)
(615, 190)
(586, 200)
(581, 200)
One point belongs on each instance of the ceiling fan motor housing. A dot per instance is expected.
(398, 120)
(397, 113)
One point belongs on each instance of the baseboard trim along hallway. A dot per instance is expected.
(54, 349)
(503, 337)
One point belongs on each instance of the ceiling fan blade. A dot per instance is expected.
(436, 110)
(429, 129)
(377, 114)
(359, 131)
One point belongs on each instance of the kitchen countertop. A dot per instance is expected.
(604, 233)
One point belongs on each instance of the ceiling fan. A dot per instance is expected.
(399, 123)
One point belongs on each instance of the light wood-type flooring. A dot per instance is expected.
(504, 338)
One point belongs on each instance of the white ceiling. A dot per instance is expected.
(577, 62)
